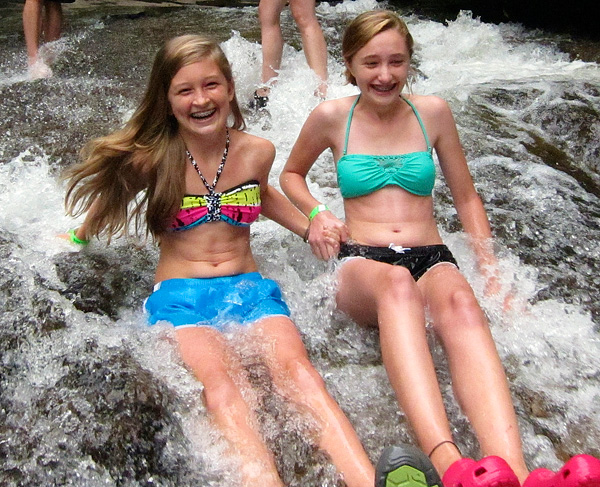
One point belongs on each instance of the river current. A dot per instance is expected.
(90, 396)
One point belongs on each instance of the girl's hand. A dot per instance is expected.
(326, 233)
(494, 287)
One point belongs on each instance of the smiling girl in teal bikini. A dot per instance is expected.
(395, 265)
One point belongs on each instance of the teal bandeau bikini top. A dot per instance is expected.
(362, 174)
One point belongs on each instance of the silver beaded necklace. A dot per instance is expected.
(211, 187)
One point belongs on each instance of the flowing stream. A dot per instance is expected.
(90, 396)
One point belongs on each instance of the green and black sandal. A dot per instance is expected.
(405, 466)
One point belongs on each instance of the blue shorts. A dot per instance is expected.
(215, 301)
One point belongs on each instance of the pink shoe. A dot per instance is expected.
(580, 471)
(488, 472)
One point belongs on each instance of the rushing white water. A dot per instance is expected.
(75, 341)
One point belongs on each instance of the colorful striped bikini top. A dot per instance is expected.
(362, 174)
(239, 206)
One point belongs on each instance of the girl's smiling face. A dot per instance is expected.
(200, 97)
(381, 66)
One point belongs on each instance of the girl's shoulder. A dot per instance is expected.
(336, 106)
(436, 115)
(330, 113)
(251, 143)
(252, 148)
(429, 105)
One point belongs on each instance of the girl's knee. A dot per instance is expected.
(463, 300)
(461, 309)
(221, 394)
(398, 283)
(304, 377)
(304, 18)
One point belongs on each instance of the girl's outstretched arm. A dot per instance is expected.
(326, 230)
(278, 208)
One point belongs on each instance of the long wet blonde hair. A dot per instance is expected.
(140, 168)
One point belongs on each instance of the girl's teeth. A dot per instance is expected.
(203, 114)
